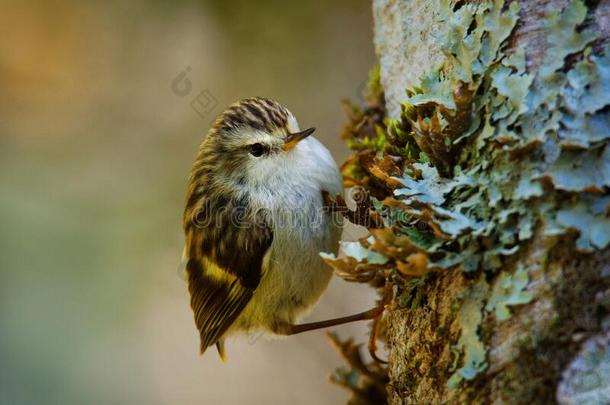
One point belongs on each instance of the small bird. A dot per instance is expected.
(255, 222)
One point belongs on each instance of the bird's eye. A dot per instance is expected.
(256, 149)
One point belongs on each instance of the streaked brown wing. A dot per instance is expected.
(216, 303)
(224, 265)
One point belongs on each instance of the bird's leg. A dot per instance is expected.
(289, 329)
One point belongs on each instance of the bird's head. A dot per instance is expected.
(251, 140)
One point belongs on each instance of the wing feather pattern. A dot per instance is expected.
(224, 267)
(216, 303)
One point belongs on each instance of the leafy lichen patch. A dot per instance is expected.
(470, 343)
(486, 152)
(508, 289)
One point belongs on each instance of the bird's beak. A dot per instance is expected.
(292, 139)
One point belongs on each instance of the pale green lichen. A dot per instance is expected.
(470, 343)
(576, 170)
(507, 151)
(355, 250)
(358, 252)
(563, 39)
(508, 289)
(589, 220)
(487, 195)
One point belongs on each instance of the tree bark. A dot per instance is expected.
(550, 342)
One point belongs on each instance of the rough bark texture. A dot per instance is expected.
(542, 354)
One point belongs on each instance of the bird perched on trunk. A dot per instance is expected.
(255, 223)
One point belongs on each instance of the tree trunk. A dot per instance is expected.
(494, 146)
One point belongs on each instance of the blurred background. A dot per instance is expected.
(102, 108)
